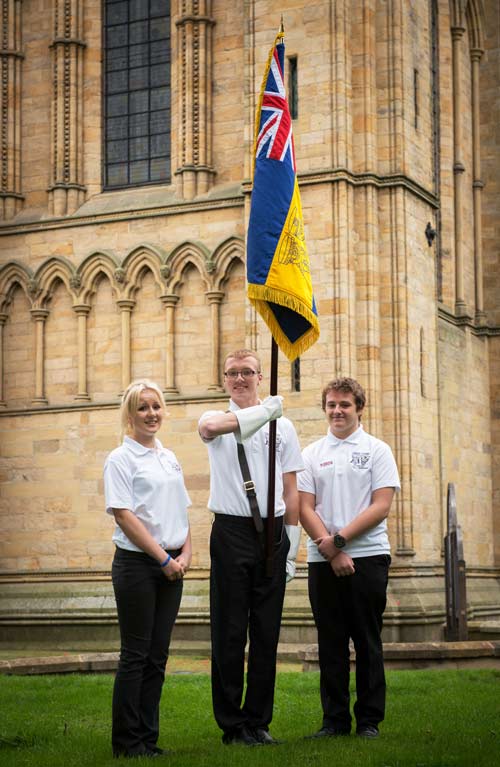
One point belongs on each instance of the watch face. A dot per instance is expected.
(339, 541)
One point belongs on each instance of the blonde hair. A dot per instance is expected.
(131, 397)
(240, 354)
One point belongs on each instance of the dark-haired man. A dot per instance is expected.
(346, 491)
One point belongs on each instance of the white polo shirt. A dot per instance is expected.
(148, 482)
(226, 483)
(342, 474)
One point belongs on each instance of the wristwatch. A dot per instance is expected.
(339, 541)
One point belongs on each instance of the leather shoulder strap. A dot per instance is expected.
(249, 488)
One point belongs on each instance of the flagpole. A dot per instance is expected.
(273, 389)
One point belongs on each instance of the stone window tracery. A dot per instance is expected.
(136, 93)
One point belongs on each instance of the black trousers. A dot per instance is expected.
(147, 605)
(244, 601)
(343, 608)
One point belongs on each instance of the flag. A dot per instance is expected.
(278, 271)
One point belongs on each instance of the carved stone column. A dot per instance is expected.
(39, 316)
(458, 170)
(343, 288)
(170, 301)
(194, 63)
(215, 299)
(368, 334)
(480, 314)
(126, 307)
(3, 320)
(397, 371)
(10, 108)
(82, 311)
(366, 231)
(344, 282)
(342, 84)
(66, 190)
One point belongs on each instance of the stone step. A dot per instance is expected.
(403, 655)
(423, 655)
(489, 629)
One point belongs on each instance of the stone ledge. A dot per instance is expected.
(485, 627)
(402, 655)
(93, 663)
(61, 664)
(420, 655)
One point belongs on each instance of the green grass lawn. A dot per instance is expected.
(433, 719)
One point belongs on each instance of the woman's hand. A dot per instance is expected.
(184, 559)
(174, 571)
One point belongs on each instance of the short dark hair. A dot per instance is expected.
(346, 385)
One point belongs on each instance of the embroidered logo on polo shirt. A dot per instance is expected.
(359, 460)
(325, 463)
(278, 440)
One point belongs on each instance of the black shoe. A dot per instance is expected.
(136, 754)
(263, 736)
(367, 731)
(241, 736)
(159, 751)
(328, 732)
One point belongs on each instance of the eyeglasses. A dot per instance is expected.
(245, 373)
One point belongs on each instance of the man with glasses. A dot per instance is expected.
(244, 599)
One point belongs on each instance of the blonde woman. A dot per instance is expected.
(145, 492)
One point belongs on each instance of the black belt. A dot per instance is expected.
(238, 519)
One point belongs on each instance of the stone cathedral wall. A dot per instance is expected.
(397, 130)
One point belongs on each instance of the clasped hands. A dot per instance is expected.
(176, 568)
(340, 562)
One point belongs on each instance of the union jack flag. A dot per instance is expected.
(275, 137)
(278, 270)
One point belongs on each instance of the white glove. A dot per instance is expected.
(251, 419)
(293, 532)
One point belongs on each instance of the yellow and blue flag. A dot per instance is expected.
(278, 271)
